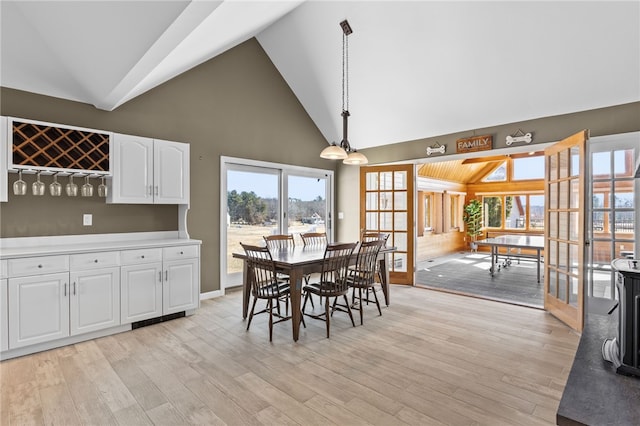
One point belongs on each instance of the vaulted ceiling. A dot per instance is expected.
(417, 68)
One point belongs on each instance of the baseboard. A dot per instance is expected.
(211, 294)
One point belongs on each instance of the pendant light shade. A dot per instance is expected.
(355, 159)
(344, 151)
(333, 152)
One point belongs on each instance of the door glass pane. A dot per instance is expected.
(563, 166)
(516, 211)
(623, 197)
(553, 284)
(386, 182)
(400, 200)
(400, 223)
(553, 167)
(372, 181)
(536, 212)
(252, 212)
(553, 253)
(575, 161)
(623, 163)
(372, 220)
(563, 255)
(598, 222)
(553, 195)
(574, 226)
(562, 287)
(386, 201)
(386, 221)
(624, 224)
(400, 241)
(372, 201)
(573, 259)
(573, 291)
(563, 225)
(601, 165)
(400, 181)
(564, 194)
(574, 197)
(307, 205)
(399, 262)
(625, 249)
(553, 224)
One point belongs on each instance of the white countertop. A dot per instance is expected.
(75, 244)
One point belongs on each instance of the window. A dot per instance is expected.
(528, 168)
(455, 211)
(428, 212)
(514, 212)
(498, 175)
(492, 209)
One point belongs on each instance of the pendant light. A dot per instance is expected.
(344, 151)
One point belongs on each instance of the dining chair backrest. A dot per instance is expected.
(314, 238)
(374, 235)
(262, 271)
(335, 266)
(364, 271)
(279, 241)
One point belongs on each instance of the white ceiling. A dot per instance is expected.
(417, 68)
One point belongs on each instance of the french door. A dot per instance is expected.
(564, 230)
(386, 197)
(260, 198)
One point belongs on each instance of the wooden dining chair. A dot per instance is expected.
(279, 241)
(368, 235)
(332, 282)
(265, 284)
(314, 238)
(362, 275)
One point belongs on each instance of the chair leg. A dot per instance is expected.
(271, 319)
(253, 307)
(304, 304)
(375, 296)
(346, 301)
(360, 308)
(326, 311)
(306, 280)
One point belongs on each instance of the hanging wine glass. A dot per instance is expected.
(102, 189)
(20, 186)
(55, 189)
(87, 188)
(37, 187)
(71, 188)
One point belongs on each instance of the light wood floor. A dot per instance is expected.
(432, 358)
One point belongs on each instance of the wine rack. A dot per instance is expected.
(45, 146)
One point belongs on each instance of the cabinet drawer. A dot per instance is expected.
(37, 265)
(3, 269)
(105, 259)
(179, 252)
(132, 257)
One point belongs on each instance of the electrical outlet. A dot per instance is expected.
(87, 219)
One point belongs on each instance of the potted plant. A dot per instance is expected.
(472, 217)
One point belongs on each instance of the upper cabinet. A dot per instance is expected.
(4, 149)
(148, 171)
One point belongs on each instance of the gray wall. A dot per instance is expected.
(236, 104)
(604, 121)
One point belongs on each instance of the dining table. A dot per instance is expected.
(298, 261)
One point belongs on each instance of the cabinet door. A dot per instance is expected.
(181, 288)
(95, 300)
(132, 165)
(4, 316)
(39, 309)
(4, 149)
(141, 292)
(171, 172)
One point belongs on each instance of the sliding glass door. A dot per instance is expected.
(260, 198)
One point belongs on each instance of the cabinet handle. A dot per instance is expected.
(74, 288)
(166, 275)
(39, 266)
(142, 256)
(156, 189)
(96, 261)
(65, 289)
(181, 252)
(150, 189)
(160, 276)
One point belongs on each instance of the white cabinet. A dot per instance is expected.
(95, 300)
(181, 287)
(4, 164)
(4, 315)
(39, 309)
(149, 171)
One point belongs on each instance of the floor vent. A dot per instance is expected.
(157, 320)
